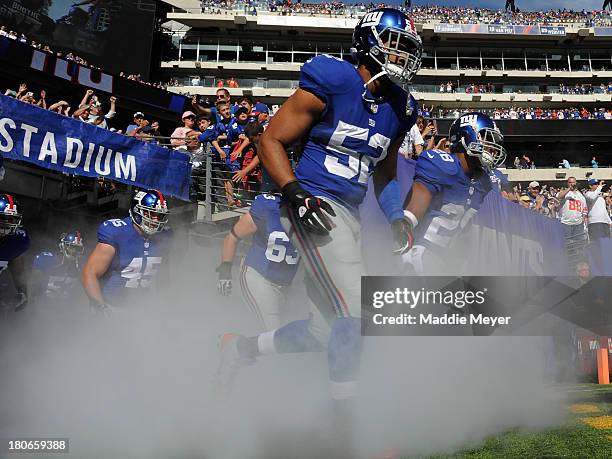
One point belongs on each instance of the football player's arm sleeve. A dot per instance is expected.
(292, 121)
(245, 227)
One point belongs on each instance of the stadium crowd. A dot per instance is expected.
(70, 56)
(535, 113)
(420, 14)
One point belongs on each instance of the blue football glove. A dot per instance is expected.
(313, 212)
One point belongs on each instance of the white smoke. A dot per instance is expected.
(139, 384)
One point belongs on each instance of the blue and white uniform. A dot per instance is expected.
(343, 148)
(137, 259)
(456, 198)
(352, 136)
(60, 277)
(270, 264)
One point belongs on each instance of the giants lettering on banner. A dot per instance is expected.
(72, 71)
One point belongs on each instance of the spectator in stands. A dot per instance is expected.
(220, 144)
(594, 163)
(598, 217)
(220, 83)
(565, 163)
(232, 83)
(517, 163)
(249, 175)
(237, 125)
(222, 147)
(248, 103)
(261, 113)
(179, 135)
(413, 142)
(140, 129)
(222, 96)
(96, 115)
(572, 213)
(62, 107)
(195, 81)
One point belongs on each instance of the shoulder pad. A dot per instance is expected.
(324, 74)
(436, 167)
(107, 232)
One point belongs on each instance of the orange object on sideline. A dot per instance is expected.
(603, 369)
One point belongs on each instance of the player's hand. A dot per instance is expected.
(224, 284)
(313, 212)
(402, 233)
(20, 301)
(102, 309)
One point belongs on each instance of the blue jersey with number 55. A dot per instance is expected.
(137, 259)
(456, 197)
(271, 254)
(352, 135)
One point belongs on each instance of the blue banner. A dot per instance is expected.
(506, 239)
(56, 142)
(501, 29)
(603, 31)
(517, 241)
(552, 30)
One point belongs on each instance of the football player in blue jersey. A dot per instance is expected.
(270, 264)
(129, 253)
(56, 274)
(449, 188)
(354, 120)
(14, 242)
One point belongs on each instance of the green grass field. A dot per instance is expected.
(587, 432)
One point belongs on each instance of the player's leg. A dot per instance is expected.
(333, 263)
(264, 298)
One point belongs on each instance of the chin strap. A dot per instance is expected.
(365, 87)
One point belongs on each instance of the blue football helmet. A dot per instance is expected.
(71, 245)
(10, 218)
(476, 134)
(389, 38)
(149, 211)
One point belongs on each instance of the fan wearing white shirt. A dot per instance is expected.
(572, 213)
(599, 219)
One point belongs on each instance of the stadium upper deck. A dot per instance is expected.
(520, 62)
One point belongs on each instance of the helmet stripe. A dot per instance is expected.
(162, 201)
(11, 202)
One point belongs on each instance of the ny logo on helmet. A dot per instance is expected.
(468, 120)
(372, 19)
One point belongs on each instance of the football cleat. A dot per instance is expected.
(230, 362)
